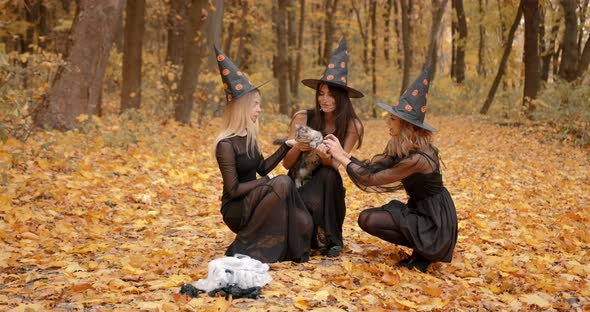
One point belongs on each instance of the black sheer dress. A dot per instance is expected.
(428, 221)
(270, 219)
(324, 197)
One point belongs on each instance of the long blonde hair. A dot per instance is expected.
(409, 138)
(236, 119)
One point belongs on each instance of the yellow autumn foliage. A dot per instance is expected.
(119, 215)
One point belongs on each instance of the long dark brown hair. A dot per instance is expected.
(345, 114)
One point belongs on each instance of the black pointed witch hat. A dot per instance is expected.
(411, 106)
(336, 73)
(235, 83)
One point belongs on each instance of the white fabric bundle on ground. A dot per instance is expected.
(239, 270)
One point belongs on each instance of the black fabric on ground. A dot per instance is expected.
(236, 292)
(190, 290)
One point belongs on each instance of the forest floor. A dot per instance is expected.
(117, 215)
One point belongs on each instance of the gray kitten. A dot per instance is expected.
(308, 161)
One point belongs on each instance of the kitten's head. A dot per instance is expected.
(305, 134)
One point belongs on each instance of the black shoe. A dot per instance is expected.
(421, 264)
(406, 261)
(333, 251)
(417, 262)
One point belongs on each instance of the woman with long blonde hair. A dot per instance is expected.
(269, 218)
(237, 120)
(427, 223)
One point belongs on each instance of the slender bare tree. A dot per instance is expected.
(132, 46)
(503, 62)
(532, 62)
(373, 14)
(458, 63)
(281, 63)
(407, 64)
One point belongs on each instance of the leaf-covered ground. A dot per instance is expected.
(117, 215)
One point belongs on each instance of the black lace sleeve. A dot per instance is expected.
(226, 158)
(384, 173)
(268, 164)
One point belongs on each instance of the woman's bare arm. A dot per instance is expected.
(299, 118)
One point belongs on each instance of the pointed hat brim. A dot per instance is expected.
(407, 117)
(314, 83)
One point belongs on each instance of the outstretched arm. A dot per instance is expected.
(268, 164)
(336, 150)
(364, 175)
(352, 138)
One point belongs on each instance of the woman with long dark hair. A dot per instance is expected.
(334, 114)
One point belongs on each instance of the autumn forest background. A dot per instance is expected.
(110, 195)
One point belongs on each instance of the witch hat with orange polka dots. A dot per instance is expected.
(411, 106)
(336, 73)
(235, 83)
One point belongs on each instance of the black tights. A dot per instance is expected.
(378, 222)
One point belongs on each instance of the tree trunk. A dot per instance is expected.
(297, 72)
(281, 58)
(387, 33)
(503, 22)
(583, 11)
(459, 59)
(438, 10)
(374, 55)
(555, 64)
(548, 50)
(77, 85)
(118, 36)
(364, 36)
(568, 68)
(177, 15)
(454, 28)
(292, 46)
(32, 13)
(316, 34)
(481, 68)
(503, 62)
(275, 29)
(331, 7)
(213, 27)
(132, 46)
(194, 53)
(532, 73)
(229, 36)
(585, 59)
(398, 35)
(175, 30)
(243, 54)
(43, 24)
(406, 43)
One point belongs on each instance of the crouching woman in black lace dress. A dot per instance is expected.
(427, 223)
(270, 219)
